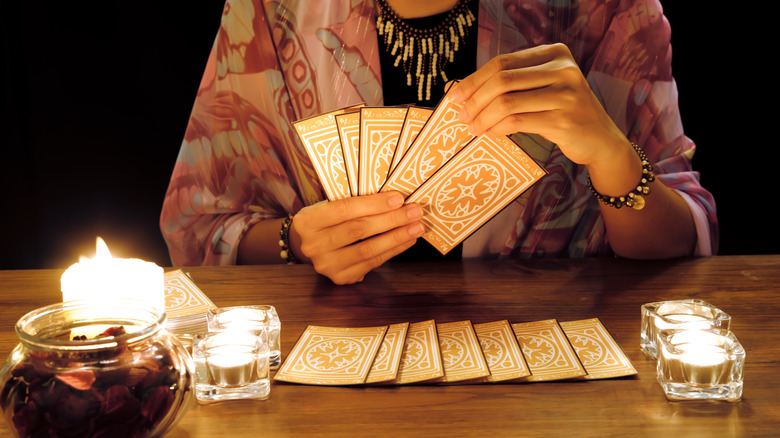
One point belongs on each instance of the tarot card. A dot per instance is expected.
(482, 179)
(460, 352)
(438, 141)
(379, 131)
(348, 125)
(601, 356)
(547, 351)
(415, 120)
(320, 138)
(501, 350)
(332, 356)
(387, 361)
(421, 357)
(183, 297)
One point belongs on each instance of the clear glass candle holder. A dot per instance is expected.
(679, 314)
(700, 365)
(95, 368)
(230, 365)
(250, 318)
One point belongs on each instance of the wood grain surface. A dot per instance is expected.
(746, 287)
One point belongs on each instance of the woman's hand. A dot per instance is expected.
(346, 239)
(540, 90)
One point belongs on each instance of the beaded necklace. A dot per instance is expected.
(423, 53)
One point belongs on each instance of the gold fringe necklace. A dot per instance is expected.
(424, 51)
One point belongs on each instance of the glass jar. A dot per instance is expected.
(134, 384)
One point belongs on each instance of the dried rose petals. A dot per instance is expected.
(77, 379)
(112, 331)
(123, 392)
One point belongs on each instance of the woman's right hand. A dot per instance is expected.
(347, 238)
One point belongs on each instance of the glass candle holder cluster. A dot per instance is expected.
(698, 357)
(234, 358)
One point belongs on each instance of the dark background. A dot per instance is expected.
(96, 97)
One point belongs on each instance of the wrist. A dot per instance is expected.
(633, 198)
(617, 174)
(286, 252)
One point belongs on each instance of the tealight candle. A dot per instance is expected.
(250, 318)
(231, 365)
(105, 277)
(679, 314)
(700, 364)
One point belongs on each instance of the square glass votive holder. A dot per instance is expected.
(679, 314)
(249, 318)
(700, 365)
(231, 365)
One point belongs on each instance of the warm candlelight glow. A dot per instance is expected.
(231, 365)
(700, 364)
(678, 314)
(105, 277)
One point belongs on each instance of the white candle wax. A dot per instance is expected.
(241, 318)
(690, 321)
(698, 358)
(231, 365)
(105, 277)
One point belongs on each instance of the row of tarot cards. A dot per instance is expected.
(455, 352)
(461, 181)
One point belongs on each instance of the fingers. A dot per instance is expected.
(350, 264)
(327, 214)
(365, 227)
(346, 239)
(513, 61)
(332, 238)
(509, 113)
(529, 81)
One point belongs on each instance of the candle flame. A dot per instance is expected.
(101, 251)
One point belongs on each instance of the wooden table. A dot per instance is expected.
(746, 287)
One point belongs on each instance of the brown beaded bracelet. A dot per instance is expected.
(284, 242)
(633, 199)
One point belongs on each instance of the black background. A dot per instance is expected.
(96, 97)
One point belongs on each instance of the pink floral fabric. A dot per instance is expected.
(277, 61)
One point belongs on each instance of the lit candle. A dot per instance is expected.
(105, 277)
(250, 318)
(688, 314)
(697, 358)
(690, 321)
(700, 364)
(231, 365)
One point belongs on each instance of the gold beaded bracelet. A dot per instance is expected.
(633, 199)
(284, 242)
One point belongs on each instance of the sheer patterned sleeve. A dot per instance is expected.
(631, 73)
(239, 162)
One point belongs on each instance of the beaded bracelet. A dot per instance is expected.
(284, 242)
(632, 199)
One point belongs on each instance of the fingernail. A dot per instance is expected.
(455, 94)
(395, 201)
(416, 229)
(414, 212)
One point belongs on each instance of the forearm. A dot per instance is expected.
(260, 244)
(663, 228)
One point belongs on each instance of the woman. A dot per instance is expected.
(583, 83)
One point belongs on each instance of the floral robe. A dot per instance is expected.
(277, 61)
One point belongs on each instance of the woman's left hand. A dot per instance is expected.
(540, 90)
